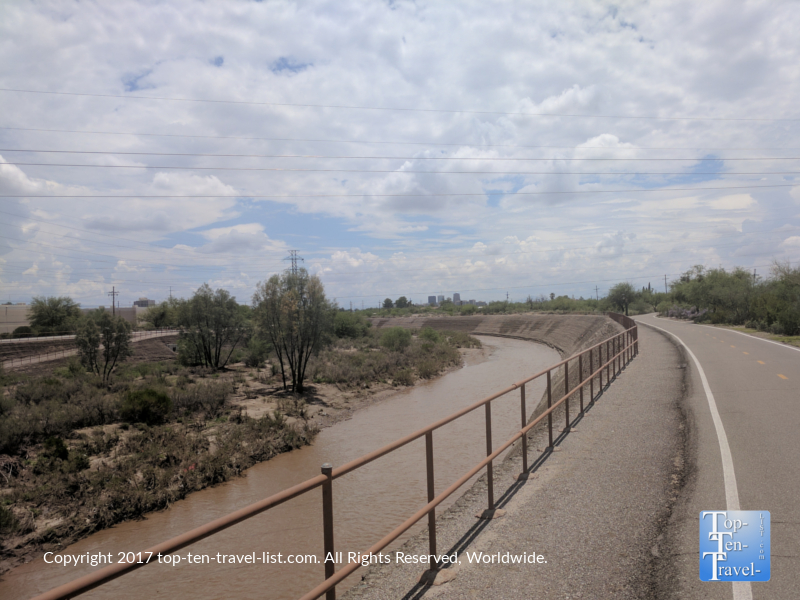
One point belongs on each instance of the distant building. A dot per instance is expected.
(456, 298)
(432, 300)
(472, 302)
(144, 303)
(440, 299)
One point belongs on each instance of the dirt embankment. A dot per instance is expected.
(566, 333)
(21, 349)
(147, 350)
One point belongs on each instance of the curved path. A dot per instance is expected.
(755, 386)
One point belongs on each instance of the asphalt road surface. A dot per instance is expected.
(749, 458)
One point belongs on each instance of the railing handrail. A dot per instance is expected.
(628, 351)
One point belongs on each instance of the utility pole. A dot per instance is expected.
(113, 293)
(170, 292)
(506, 296)
(666, 291)
(293, 258)
(597, 293)
(754, 276)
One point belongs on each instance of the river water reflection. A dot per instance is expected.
(368, 503)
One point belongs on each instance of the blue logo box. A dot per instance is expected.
(734, 545)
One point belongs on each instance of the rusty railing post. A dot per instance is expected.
(591, 372)
(431, 496)
(600, 367)
(580, 377)
(608, 362)
(489, 474)
(523, 420)
(566, 393)
(549, 415)
(327, 527)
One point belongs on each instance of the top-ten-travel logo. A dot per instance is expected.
(734, 545)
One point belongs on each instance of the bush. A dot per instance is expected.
(257, 350)
(145, 406)
(777, 328)
(54, 447)
(23, 332)
(8, 522)
(396, 339)
(350, 325)
(430, 334)
(403, 377)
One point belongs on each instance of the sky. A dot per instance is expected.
(494, 149)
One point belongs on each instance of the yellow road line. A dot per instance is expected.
(782, 376)
(743, 352)
(761, 362)
(733, 346)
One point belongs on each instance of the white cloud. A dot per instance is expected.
(638, 60)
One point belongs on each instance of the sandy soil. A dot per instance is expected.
(325, 404)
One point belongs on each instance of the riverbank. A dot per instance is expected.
(191, 429)
(368, 502)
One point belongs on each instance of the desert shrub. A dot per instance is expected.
(396, 339)
(459, 339)
(145, 406)
(430, 334)
(54, 447)
(8, 522)
(403, 377)
(777, 328)
(256, 354)
(427, 369)
(208, 399)
(350, 325)
(23, 332)
(72, 369)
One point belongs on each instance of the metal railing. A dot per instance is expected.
(608, 356)
(72, 351)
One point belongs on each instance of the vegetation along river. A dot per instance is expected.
(368, 503)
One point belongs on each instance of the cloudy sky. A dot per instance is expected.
(402, 148)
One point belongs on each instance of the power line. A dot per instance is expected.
(322, 156)
(395, 171)
(453, 267)
(392, 142)
(408, 195)
(397, 109)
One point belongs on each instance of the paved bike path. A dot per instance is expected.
(756, 388)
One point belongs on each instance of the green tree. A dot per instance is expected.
(54, 314)
(292, 311)
(212, 325)
(113, 335)
(388, 303)
(162, 315)
(402, 302)
(622, 295)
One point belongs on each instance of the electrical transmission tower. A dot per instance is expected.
(293, 258)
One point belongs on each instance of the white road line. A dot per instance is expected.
(752, 337)
(755, 337)
(741, 589)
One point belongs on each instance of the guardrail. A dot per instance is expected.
(591, 364)
(35, 358)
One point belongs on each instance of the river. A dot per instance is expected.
(368, 503)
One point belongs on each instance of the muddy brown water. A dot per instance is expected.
(368, 503)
